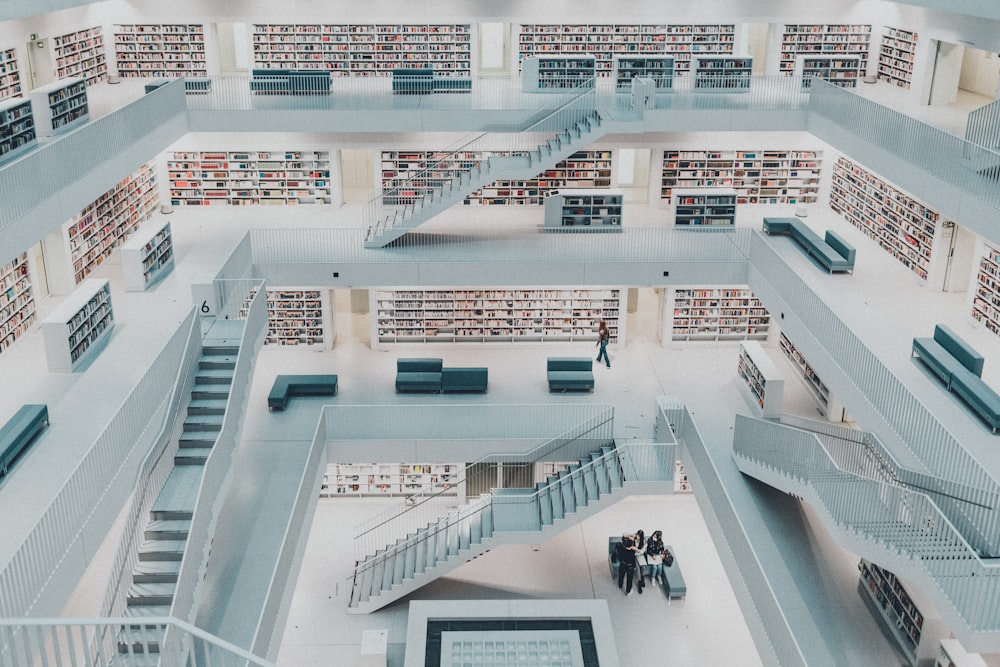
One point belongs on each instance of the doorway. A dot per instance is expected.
(963, 75)
(357, 176)
(41, 65)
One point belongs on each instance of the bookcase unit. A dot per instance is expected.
(718, 313)
(706, 207)
(363, 50)
(81, 54)
(917, 634)
(759, 177)
(681, 482)
(658, 68)
(17, 301)
(722, 72)
(103, 225)
(902, 226)
(156, 50)
(60, 105)
(75, 329)
(10, 77)
(584, 210)
(295, 317)
(391, 479)
(17, 127)
(986, 300)
(557, 73)
(840, 70)
(147, 257)
(761, 378)
(896, 55)
(495, 315)
(828, 404)
(203, 178)
(826, 39)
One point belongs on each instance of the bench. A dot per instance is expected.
(191, 86)
(429, 374)
(422, 81)
(464, 380)
(290, 82)
(20, 431)
(286, 386)
(570, 373)
(960, 368)
(831, 252)
(675, 585)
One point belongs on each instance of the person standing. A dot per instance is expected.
(603, 338)
(626, 553)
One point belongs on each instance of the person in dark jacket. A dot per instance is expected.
(626, 553)
(654, 554)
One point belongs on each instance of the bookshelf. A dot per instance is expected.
(900, 615)
(557, 73)
(986, 300)
(81, 54)
(584, 210)
(722, 72)
(681, 483)
(840, 70)
(706, 207)
(73, 331)
(17, 301)
(758, 176)
(295, 317)
(718, 313)
(828, 405)
(59, 105)
(391, 479)
(147, 257)
(94, 233)
(606, 41)
(896, 55)
(826, 39)
(157, 50)
(10, 76)
(243, 178)
(17, 127)
(658, 68)
(761, 378)
(951, 653)
(495, 315)
(902, 226)
(363, 50)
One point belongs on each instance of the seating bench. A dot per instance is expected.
(192, 86)
(286, 386)
(676, 586)
(20, 431)
(290, 82)
(429, 374)
(960, 368)
(464, 379)
(831, 251)
(570, 373)
(422, 81)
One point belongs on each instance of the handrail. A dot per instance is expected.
(983, 125)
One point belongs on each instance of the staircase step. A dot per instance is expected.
(217, 362)
(192, 456)
(151, 594)
(147, 611)
(179, 493)
(162, 550)
(220, 350)
(171, 529)
(156, 572)
(214, 376)
(141, 643)
(210, 392)
(198, 440)
(202, 423)
(215, 406)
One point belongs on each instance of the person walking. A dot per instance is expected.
(603, 337)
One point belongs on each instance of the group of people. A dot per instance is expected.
(627, 554)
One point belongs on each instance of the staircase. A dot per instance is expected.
(154, 578)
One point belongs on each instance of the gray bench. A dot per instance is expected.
(286, 386)
(290, 82)
(429, 374)
(570, 373)
(675, 584)
(423, 81)
(831, 252)
(20, 431)
(960, 368)
(465, 380)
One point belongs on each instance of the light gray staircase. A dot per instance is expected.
(410, 212)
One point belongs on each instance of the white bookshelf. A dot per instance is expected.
(584, 210)
(10, 76)
(901, 225)
(242, 178)
(495, 315)
(705, 207)
(724, 73)
(757, 176)
(718, 313)
(658, 68)
(761, 378)
(841, 70)
(296, 316)
(391, 479)
(828, 405)
(160, 49)
(557, 73)
(17, 300)
(78, 326)
(17, 127)
(81, 54)
(147, 257)
(681, 482)
(896, 55)
(826, 40)
(60, 105)
(986, 300)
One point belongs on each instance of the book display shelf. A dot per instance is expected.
(759, 177)
(147, 257)
(59, 106)
(895, 57)
(986, 301)
(828, 405)
(827, 40)
(718, 313)
(606, 41)
(584, 210)
(391, 479)
(17, 127)
(681, 483)
(81, 54)
(72, 331)
(658, 68)
(294, 317)
(762, 379)
(726, 73)
(902, 226)
(706, 207)
(242, 178)
(557, 73)
(901, 617)
(840, 70)
(10, 77)
(495, 315)
(105, 223)
(17, 301)
(156, 50)
(363, 50)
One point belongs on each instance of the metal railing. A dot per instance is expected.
(983, 125)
